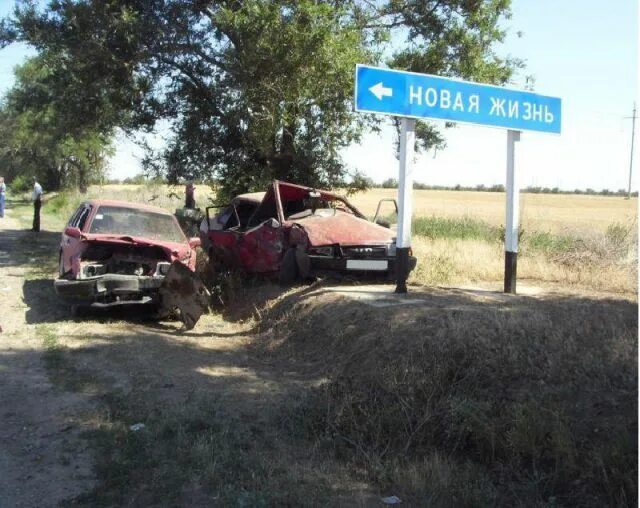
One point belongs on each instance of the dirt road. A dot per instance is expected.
(66, 384)
(42, 458)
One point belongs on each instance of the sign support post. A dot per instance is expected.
(512, 228)
(411, 95)
(405, 199)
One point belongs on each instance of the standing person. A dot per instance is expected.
(36, 196)
(189, 196)
(3, 191)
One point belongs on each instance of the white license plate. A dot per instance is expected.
(366, 264)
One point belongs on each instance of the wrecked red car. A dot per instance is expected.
(297, 232)
(115, 252)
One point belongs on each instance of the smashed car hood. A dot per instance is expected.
(171, 248)
(343, 228)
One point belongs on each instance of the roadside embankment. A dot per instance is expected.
(466, 398)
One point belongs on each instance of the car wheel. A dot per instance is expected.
(288, 268)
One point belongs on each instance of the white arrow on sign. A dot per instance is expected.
(380, 91)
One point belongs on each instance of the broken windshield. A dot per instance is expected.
(123, 221)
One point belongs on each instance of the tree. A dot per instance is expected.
(253, 89)
(40, 139)
(390, 183)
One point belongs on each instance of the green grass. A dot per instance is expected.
(548, 242)
(464, 228)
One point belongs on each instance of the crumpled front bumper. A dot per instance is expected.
(109, 288)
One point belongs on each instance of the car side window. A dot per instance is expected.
(74, 218)
(82, 219)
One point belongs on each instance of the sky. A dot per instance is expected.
(578, 50)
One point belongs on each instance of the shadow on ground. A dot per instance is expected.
(26, 249)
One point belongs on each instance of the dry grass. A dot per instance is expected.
(469, 399)
(164, 196)
(573, 214)
(446, 261)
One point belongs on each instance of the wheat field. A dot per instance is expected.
(557, 213)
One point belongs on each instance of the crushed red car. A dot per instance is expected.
(115, 252)
(297, 232)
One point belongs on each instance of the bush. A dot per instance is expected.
(464, 228)
(390, 183)
(20, 184)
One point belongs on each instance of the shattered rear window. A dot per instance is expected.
(123, 221)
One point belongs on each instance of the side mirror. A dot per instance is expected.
(274, 223)
(195, 242)
(72, 232)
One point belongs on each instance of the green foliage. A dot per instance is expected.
(63, 204)
(390, 183)
(358, 183)
(465, 228)
(619, 235)
(140, 179)
(251, 90)
(20, 184)
(40, 137)
(549, 242)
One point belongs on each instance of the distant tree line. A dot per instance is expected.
(392, 183)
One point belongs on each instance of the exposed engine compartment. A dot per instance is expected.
(100, 259)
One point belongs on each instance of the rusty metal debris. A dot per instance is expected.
(182, 289)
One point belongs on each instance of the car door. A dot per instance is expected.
(70, 246)
(260, 249)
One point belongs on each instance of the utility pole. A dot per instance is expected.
(633, 132)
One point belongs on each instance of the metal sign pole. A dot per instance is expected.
(405, 205)
(513, 216)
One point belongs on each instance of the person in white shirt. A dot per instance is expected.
(36, 196)
(3, 191)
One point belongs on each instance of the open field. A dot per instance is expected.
(557, 213)
(456, 395)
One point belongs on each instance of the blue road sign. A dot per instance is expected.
(413, 95)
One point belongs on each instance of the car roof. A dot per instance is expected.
(127, 204)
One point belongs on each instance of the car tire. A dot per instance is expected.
(288, 268)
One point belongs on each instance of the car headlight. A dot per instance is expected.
(321, 251)
(93, 270)
(162, 268)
